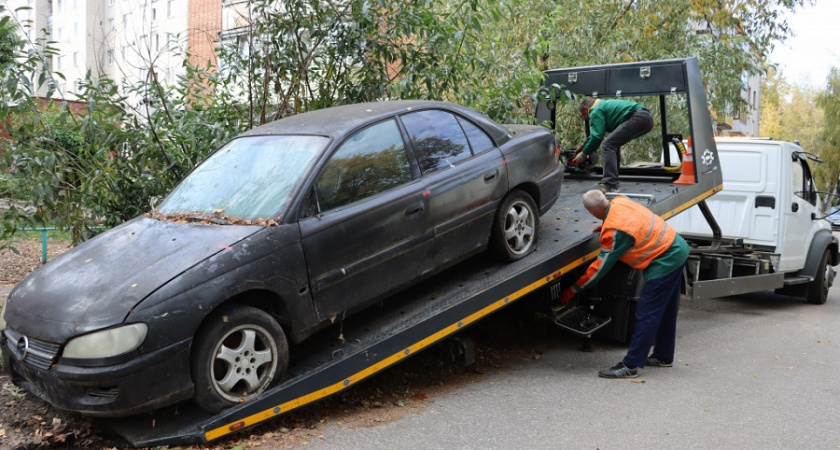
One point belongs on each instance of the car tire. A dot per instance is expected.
(516, 227)
(818, 289)
(238, 352)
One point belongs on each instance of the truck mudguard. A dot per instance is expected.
(823, 240)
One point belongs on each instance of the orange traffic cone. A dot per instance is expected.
(687, 175)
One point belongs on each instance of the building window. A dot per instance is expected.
(154, 14)
(110, 2)
(75, 59)
(110, 57)
(59, 32)
(59, 63)
(169, 8)
(111, 25)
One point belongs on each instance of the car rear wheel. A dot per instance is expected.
(238, 353)
(516, 227)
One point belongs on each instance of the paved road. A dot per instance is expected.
(755, 372)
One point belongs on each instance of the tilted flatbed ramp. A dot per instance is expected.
(352, 350)
(405, 324)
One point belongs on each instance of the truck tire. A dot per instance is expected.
(238, 353)
(818, 289)
(515, 228)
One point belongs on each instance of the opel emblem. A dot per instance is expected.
(23, 346)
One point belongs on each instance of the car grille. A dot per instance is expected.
(39, 353)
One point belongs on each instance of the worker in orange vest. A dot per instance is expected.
(634, 235)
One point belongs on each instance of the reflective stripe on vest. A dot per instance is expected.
(651, 234)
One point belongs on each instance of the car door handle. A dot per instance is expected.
(490, 177)
(794, 207)
(414, 211)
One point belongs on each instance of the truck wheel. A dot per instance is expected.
(514, 233)
(238, 353)
(818, 289)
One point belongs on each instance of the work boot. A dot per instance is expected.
(607, 189)
(619, 371)
(656, 362)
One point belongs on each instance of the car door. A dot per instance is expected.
(465, 178)
(371, 225)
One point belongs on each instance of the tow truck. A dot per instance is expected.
(352, 350)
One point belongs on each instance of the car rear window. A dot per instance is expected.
(249, 178)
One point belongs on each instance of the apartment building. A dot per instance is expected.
(126, 41)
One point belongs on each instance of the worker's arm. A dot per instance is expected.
(597, 129)
(614, 243)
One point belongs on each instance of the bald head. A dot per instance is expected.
(596, 203)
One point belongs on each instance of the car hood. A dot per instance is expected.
(96, 284)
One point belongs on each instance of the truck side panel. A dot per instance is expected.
(749, 205)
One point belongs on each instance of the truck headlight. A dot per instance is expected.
(106, 343)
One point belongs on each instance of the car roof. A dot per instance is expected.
(336, 122)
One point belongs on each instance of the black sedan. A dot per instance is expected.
(284, 230)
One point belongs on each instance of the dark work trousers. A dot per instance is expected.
(640, 123)
(656, 320)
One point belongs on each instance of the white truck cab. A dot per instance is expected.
(769, 208)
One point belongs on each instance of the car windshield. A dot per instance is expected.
(250, 178)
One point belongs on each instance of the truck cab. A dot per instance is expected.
(768, 209)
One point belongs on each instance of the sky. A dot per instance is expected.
(806, 58)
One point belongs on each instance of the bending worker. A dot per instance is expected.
(625, 120)
(639, 238)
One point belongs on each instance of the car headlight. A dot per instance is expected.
(106, 343)
(2, 317)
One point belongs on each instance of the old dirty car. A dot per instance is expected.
(272, 237)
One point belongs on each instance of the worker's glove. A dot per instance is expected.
(567, 295)
(580, 158)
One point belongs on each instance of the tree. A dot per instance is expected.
(829, 101)
(730, 37)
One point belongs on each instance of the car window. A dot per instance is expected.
(437, 139)
(249, 178)
(369, 162)
(479, 141)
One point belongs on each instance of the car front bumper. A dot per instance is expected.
(142, 384)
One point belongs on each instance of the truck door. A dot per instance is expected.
(801, 203)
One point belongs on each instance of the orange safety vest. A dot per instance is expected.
(651, 234)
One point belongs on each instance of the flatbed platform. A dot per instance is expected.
(351, 350)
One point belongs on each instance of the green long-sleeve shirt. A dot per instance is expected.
(673, 258)
(605, 116)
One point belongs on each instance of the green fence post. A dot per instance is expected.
(43, 245)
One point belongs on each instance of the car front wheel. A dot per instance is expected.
(514, 232)
(239, 352)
